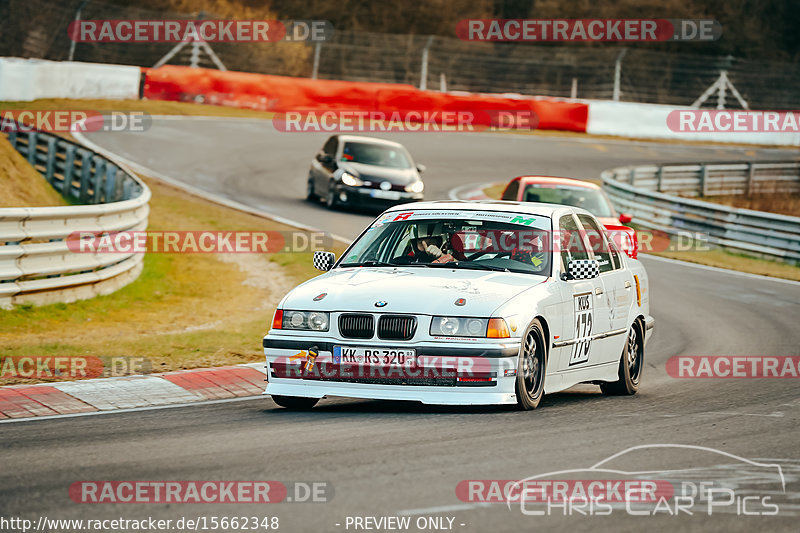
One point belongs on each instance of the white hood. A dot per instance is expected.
(414, 290)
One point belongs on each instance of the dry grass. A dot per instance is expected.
(784, 204)
(184, 311)
(20, 184)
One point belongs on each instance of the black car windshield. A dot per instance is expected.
(590, 199)
(473, 240)
(376, 154)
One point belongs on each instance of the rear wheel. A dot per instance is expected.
(531, 367)
(630, 366)
(295, 402)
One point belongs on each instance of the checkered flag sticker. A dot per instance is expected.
(583, 269)
(324, 260)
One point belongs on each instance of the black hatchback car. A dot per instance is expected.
(364, 171)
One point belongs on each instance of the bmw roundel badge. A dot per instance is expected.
(380, 303)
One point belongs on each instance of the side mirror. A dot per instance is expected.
(324, 260)
(421, 168)
(625, 218)
(582, 269)
(324, 158)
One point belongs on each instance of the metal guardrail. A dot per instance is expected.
(642, 191)
(36, 263)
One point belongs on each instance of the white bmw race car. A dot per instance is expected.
(464, 303)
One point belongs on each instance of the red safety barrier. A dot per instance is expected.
(282, 93)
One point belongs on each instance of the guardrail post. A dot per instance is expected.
(12, 139)
(99, 175)
(33, 137)
(86, 175)
(751, 171)
(703, 180)
(111, 182)
(51, 160)
(631, 175)
(69, 168)
(659, 178)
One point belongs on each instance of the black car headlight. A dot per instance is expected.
(308, 320)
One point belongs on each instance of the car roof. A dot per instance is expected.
(365, 139)
(528, 208)
(553, 180)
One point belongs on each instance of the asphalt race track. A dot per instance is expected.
(390, 458)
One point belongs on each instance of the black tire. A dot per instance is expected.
(311, 194)
(330, 198)
(295, 402)
(532, 367)
(631, 364)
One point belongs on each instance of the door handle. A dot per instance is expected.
(627, 284)
(598, 291)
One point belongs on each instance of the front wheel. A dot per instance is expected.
(630, 366)
(311, 194)
(295, 402)
(531, 368)
(330, 198)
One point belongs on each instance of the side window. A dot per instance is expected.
(330, 146)
(612, 247)
(511, 191)
(598, 242)
(572, 245)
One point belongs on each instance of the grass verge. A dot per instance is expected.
(184, 311)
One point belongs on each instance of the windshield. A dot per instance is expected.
(471, 240)
(590, 199)
(375, 154)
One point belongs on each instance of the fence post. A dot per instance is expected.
(315, 67)
(618, 75)
(423, 76)
(751, 171)
(703, 180)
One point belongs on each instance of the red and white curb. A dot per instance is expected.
(472, 191)
(131, 392)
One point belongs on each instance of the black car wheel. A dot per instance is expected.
(330, 199)
(630, 365)
(531, 368)
(295, 402)
(311, 194)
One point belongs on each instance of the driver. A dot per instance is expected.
(429, 250)
(530, 251)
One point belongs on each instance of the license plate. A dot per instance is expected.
(389, 357)
(386, 195)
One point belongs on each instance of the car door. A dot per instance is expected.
(585, 313)
(616, 293)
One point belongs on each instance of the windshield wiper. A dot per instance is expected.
(467, 266)
(370, 263)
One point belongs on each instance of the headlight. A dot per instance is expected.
(310, 320)
(349, 179)
(417, 186)
(459, 326)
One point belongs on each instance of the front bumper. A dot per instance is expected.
(363, 196)
(451, 384)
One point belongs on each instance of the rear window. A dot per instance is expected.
(590, 199)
